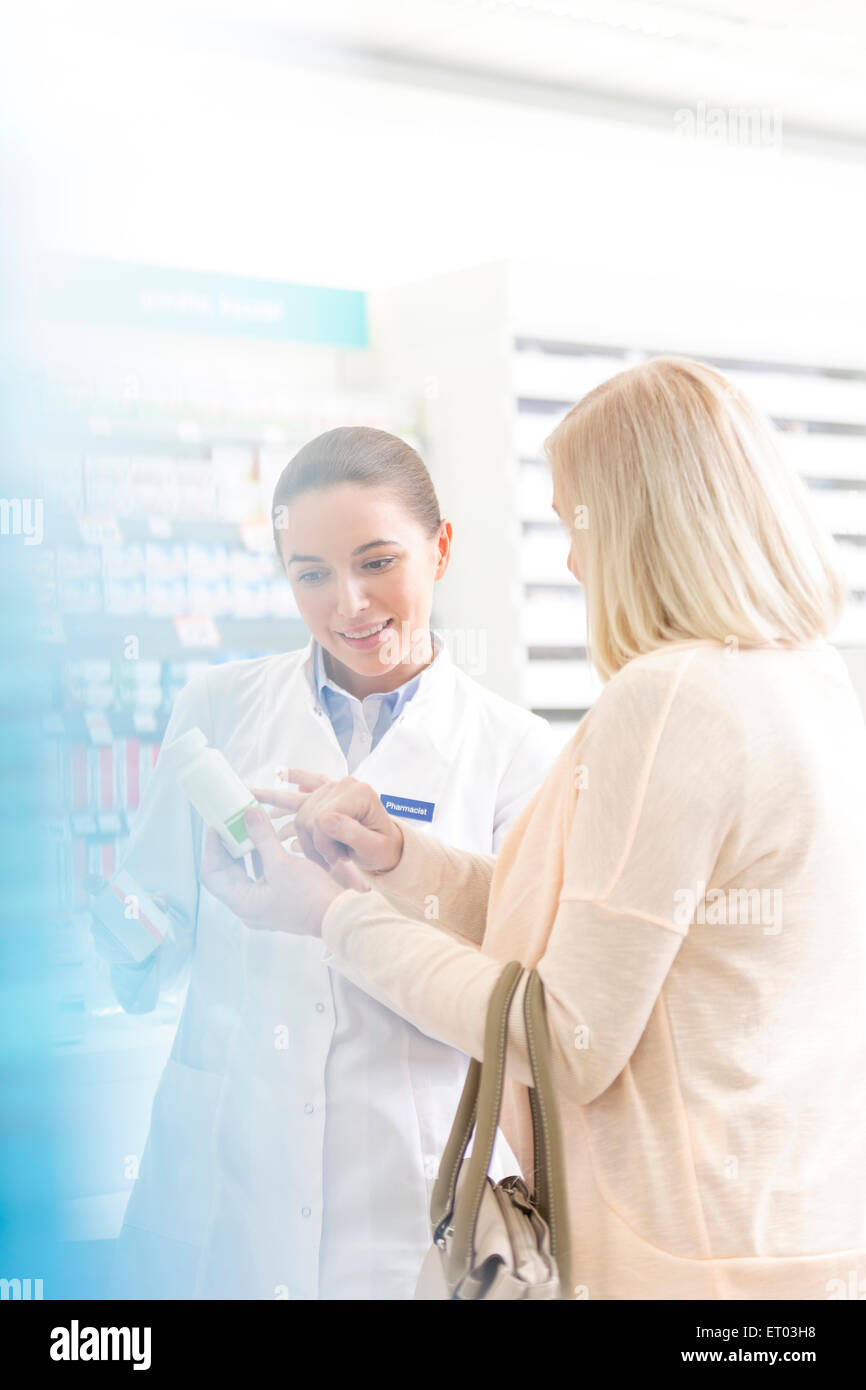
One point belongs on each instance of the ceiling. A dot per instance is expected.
(800, 61)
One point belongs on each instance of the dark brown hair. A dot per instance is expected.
(370, 458)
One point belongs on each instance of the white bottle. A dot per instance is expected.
(213, 787)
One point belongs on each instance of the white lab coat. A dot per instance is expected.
(297, 1126)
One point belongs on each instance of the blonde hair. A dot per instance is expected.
(687, 522)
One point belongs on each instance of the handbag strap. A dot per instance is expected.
(466, 1119)
(550, 1187)
(478, 1110)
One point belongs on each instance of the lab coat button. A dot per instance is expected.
(308, 1109)
(320, 1008)
(305, 1211)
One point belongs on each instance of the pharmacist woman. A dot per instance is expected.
(288, 1086)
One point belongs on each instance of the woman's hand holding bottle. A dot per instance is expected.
(342, 828)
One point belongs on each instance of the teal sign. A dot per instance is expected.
(192, 301)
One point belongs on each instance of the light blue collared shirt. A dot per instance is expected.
(360, 724)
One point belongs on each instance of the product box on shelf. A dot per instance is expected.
(196, 490)
(108, 485)
(154, 487)
(124, 579)
(166, 579)
(208, 579)
(79, 579)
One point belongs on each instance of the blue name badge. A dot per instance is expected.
(408, 809)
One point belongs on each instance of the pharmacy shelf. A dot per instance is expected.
(127, 723)
(254, 534)
(92, 635)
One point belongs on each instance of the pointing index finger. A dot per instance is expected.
(279, 796)
(300, 777)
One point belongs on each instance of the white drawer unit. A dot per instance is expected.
(543, 553)
(547, 375)
(565, 686)
(795, 395)
(553, 615)
(816, 454)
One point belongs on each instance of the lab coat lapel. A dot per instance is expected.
(413, 760)
(303, 735)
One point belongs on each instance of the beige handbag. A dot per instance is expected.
(498, 1240)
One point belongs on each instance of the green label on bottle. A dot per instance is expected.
(236, 824)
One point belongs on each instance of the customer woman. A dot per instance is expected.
(287, 1085)
(688, 881)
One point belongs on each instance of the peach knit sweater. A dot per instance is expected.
(690, 882)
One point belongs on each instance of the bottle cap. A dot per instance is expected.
(182, 749)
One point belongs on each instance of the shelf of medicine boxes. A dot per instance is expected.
(821, 414)
(89, 636)
(108, 709)
(100, 541)
(96, 727)
(101, 746)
